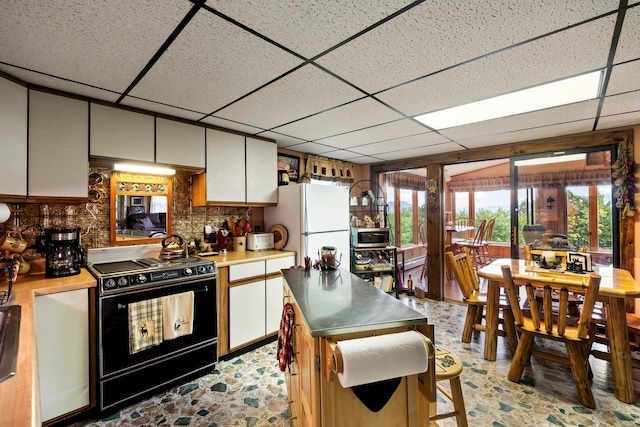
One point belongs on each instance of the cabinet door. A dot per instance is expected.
(121, 134)
(225, 167)
(13, 138)
(180, 144)
(58, 146)
(274, 297)
(246, 313)
(274, 265)
(62, 333)
(262, 171)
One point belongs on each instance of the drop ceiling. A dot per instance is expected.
(341, 79)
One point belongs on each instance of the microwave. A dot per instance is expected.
(370, 237)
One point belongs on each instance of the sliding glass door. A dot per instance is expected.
(563, 201)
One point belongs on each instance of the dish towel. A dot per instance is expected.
(145, 324)
(285, 337)
(177, 315)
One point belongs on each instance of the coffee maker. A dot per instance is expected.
(65, 256)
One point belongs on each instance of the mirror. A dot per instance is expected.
(140, 210)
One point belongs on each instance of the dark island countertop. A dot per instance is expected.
(338, 302)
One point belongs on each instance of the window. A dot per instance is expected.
(496, 205)
(406, 200)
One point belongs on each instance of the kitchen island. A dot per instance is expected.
(332, 306)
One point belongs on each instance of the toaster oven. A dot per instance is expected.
(370, 237)
(260, 241)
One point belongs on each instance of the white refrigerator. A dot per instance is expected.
(314, 215)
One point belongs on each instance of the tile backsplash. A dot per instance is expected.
(93, 217)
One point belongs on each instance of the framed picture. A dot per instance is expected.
(136, 201)
(291, 164)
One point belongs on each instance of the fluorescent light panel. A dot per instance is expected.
(149, 170)
(548, 160)
(562, 92)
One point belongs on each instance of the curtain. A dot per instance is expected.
(405, 181)
(326, 169)
(538, 180)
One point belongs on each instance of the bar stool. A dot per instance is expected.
(444, 366)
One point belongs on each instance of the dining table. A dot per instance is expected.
(616, 285)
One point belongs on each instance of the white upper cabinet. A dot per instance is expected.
(225, 177)
(58, 146)
(180, 144)
(13, 138)
(121, 134)
(262, 173)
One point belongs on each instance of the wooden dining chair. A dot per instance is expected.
(422, 238)
(599, 318)
(552, 321)
(475, 245)
(486, 241)
(465, 275)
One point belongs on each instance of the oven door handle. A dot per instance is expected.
(122, 306)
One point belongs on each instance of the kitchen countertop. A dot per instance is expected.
(20, 394)
(338, 302)
(240, 257)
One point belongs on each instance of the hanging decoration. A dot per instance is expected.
(328, 169)
(623, 173)
(432, 186)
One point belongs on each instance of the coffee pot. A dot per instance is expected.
(65, 256)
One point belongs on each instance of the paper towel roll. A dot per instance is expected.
(372, 359)
(5, 212)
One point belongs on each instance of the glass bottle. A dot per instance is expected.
(410, 286)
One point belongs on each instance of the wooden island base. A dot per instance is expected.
(316, 396)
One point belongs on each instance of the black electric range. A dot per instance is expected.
(123, 276)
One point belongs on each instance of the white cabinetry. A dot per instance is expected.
(62, 333)
(180, 144)
(121, 134)
(58, 146)
(13, 138)
(262, 171)
(240, 171)
(255, 300)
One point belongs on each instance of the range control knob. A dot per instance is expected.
(122, 281)
(202, 269)
(109, 284)
(141, 278)
(187, 271)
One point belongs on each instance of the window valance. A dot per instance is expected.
(538, 180)
(405, 181)
(328, 169)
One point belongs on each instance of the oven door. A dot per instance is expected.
(114, 356)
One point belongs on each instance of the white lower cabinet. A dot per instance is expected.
(62, 333)
(255, 300)
(246, 313)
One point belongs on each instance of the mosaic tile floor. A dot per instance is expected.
(249, 390)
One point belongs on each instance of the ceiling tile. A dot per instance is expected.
(240, 127)
(623, 103)
(313, 148)
(399, 144)
(73, 40)
(529, 134)
(283, 140)
(619, 120)
(535, 119)
(397, 129)
(304, 92)
(624, 78)
(160, 108)
(308, 27)
(420, 151)
(442, 33)
(60, 84)
(555, 57)
(629, 43)
(353, 116)
(212, 63)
